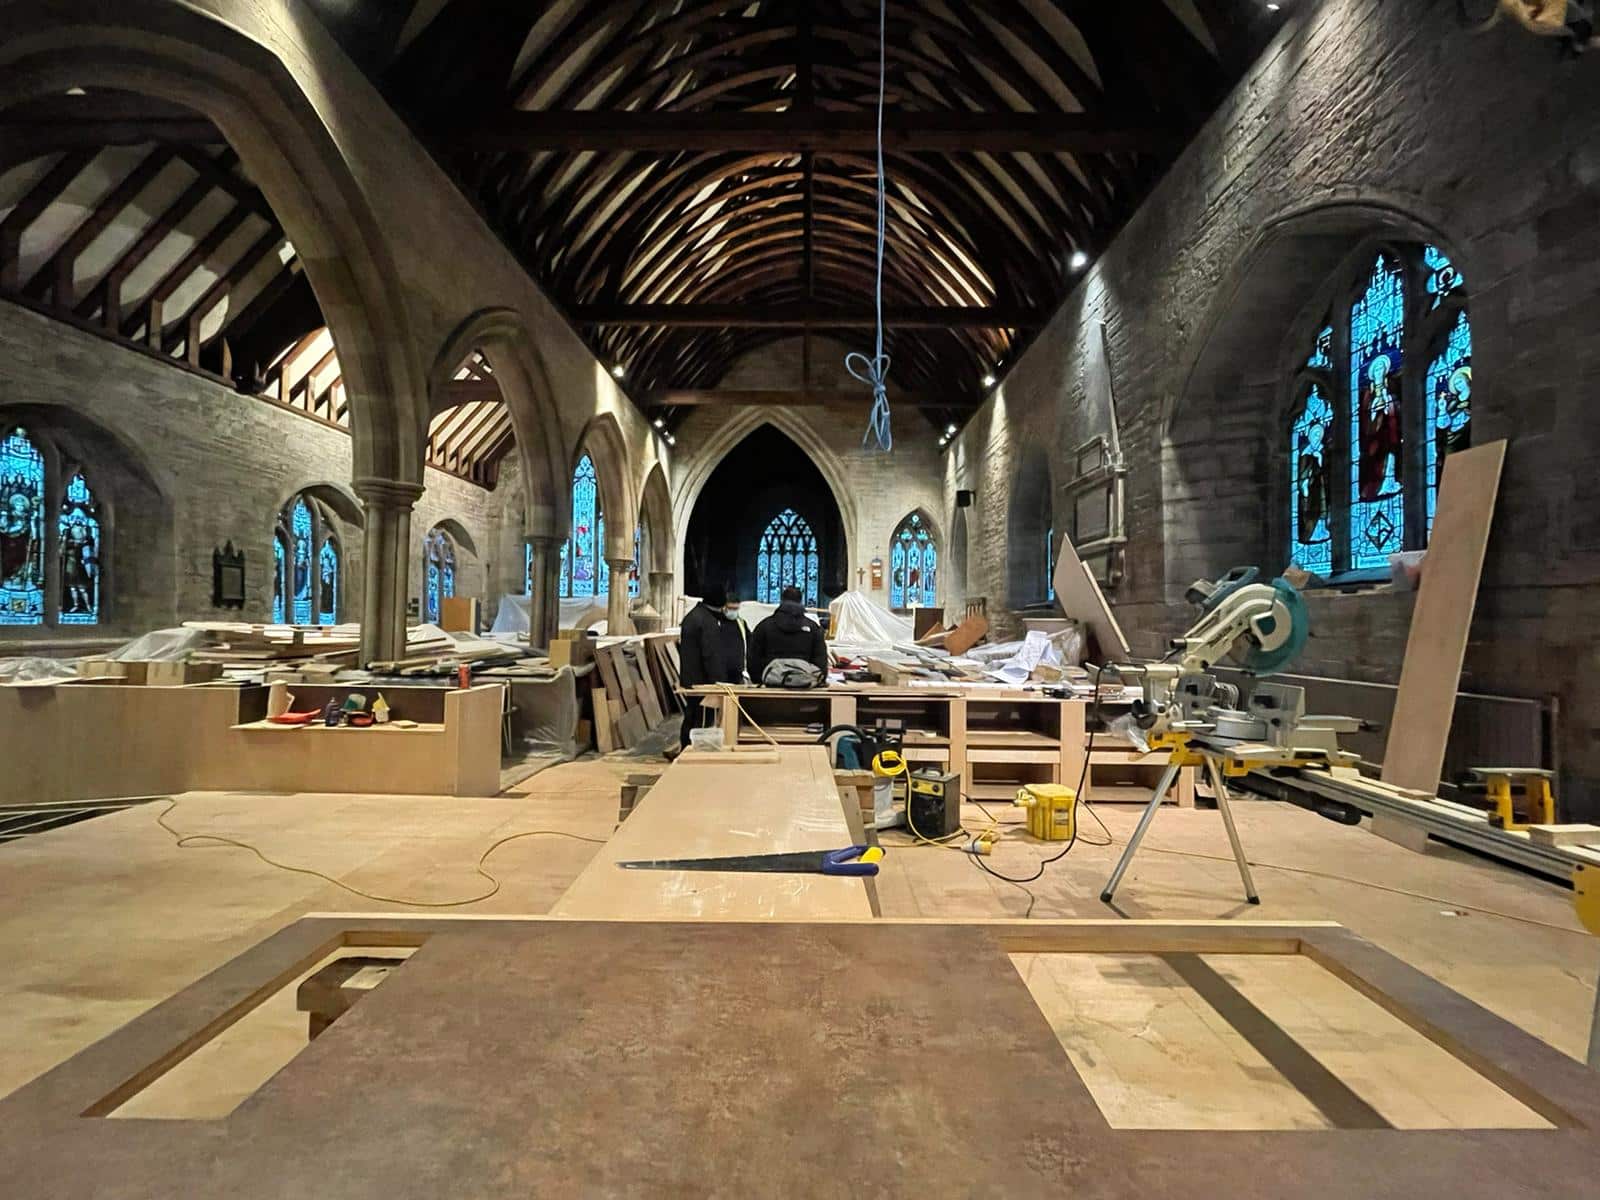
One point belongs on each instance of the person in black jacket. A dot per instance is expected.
(787, 633)
(709, 651)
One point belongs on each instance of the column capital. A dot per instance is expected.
(388, 493)
(623, 564)
(543, 541)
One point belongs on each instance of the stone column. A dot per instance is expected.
(661, 595)
(617, 623)
(543, 609)
(386, 553)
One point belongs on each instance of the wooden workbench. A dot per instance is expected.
(545, 1057)
(995, 738)
(699, 810)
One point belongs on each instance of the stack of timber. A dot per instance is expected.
(241, 644)
(633, 688)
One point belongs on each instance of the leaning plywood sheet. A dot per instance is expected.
(700, 810)
(1080, 598)
(1441, 620)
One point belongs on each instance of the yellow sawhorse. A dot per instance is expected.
(1535, 784)
(1586, 898)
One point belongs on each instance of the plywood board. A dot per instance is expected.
(699, 810)
(1080, 597)
(1565, 835)
(1437, 644)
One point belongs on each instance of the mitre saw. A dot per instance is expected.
(1188, 711)
(1262, 627)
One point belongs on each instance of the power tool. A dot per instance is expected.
(933, 805)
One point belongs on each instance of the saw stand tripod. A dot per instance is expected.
(1184, 755)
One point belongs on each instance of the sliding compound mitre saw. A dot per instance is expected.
(1262, 627)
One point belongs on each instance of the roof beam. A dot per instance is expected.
(806, 316)
(819, 130)
(792, 398)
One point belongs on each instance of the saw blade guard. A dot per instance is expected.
(1266, 662)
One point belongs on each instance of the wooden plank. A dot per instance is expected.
(1565, 835)
(700, 809)
(605, 739)
(1440, 623)
(1079, 595)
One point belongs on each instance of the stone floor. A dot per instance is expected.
(101, 920)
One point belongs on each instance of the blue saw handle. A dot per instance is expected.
(846, 862)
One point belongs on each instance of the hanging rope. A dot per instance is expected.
(874, 371)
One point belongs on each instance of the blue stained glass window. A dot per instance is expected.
(21, 531)
(787, 557)
(328, 572)
(280, 581)
(1377, 334)
(1322, 353)
(300, 527)
(1050, 564)
(913, 565)
(602, 569)
(583, 555)
(438, 573)
(1443, 278)
(1449, 400)
(78, 539)
(633, 571)
(1311, 516)
(527, 570)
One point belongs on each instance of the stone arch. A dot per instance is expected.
(692, 480)
(1251, 343)
(337, 496)
(519, 371)
(941, 547)
(655, 515)
(183, 55)
(458, 534)
(603, 442)
(956, 563)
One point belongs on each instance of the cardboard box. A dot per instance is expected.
(571, 649)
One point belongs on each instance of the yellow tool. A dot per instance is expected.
(1051, 810)
(888, 764)
(1586, 899)
(1538, 801)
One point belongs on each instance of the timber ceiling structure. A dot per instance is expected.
(692, 179)
(688, 179)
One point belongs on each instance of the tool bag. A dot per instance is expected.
(793, 673)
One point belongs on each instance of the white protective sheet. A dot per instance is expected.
(514, 615)
(862, 627)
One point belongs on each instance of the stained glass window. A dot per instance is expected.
(787, 557)
(1443, 278)
(1310, 513)
(328, 577)
(633, 571)
(913, 565)
(300, 528)
(438, 573)
(1050, 564)
(280, 580)
(1449, 394)
(1377, 418)
(583, 567)
(1366, 413)
(78, 543)
(21, 530)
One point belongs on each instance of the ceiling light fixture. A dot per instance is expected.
(659, 423)
(989, 380)
(1080, 260)
(619, 370)
(950, 430)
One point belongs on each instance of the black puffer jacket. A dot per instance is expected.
(787, 633)
(709, 649)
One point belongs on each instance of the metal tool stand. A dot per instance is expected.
(1168, 777)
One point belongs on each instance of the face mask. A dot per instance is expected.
(731, 613)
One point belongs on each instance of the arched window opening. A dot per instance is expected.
(787, 557)
(78, 539)
(52, 536)
(913, 565)
(1367, 413)
(438, 573)
(583, 564)
(22, 526)
(307, 564)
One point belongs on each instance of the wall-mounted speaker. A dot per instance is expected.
(964, 499)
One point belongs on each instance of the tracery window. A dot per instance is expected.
(584, 570)
(913, 565)
(307, 564)
(31, 493)
(1384, 395)
(787, 557)
(438, 572)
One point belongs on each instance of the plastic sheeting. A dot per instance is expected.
(544, 716)
(159, 645)
(514, 615)
(862, 627)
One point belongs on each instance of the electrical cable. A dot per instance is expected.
(874, 371)
(191, 839)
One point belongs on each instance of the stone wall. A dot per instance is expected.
(1364, 119)
(186, 464)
